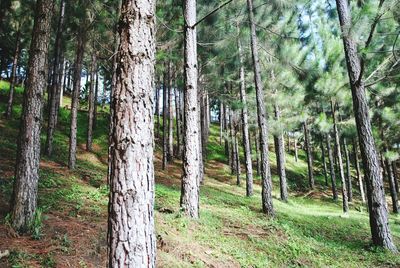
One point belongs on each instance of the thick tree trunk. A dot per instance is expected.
(331, 167)
(24, 198)
(55, 89)
(131, 231)
(348, 173)
(266, 194)
(191, 163)
(80, 49)
(307, 144)
(165, 123)
(13, 76)
(170, 154)
(358, 171)
(245, 121)
(324, 164)
(378, 212)
(91, 101)
(339, 160)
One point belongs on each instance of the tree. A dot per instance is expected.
(92, 101)
(24, 199)
(191, 131)
(131, 237)
(266, 194)
(378, 214)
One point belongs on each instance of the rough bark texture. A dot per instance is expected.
(339, 160)
(307, 144)
(13, 75)
(378, 212)
(55, 86)
(131, 231)
(331, 166)
(266, 194)
(358, 171)
(24, 198)
(324, 164)
(91, 100)
(80, 49)
(191, 163)
(245, 122)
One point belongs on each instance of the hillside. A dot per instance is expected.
(308, 231)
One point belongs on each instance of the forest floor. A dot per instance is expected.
(308, 231)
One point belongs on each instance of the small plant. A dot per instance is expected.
(36, 224)
(48, 261)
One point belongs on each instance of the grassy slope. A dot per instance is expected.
(308, 231)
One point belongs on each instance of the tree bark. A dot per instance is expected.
(257, 142)
(280, 158)
(245, 121)
(396, 184)
(91, 101)
(392, 187)
(232, 139)
(296, 153)
(165, 123)
(13, 75)
(80, 49)
(178, 123)
(331, 167)
(348, 173)
(157, 108)
(358, 171)
(170, 154)
(324, 164)
(378, 212)
(55, 89)
(221, 122)
(339, 160)
(309, 155)
(24, 198)
(131, 230)
(266, 194)
(191, 163)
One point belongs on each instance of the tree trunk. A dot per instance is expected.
(257, 142)
(358, 171)
(348, 173)
(191, 165)
(227, 134)
(91, 101)
(178, 123)
(54, 95)
(24, 198)
(395, 176)
(266, 194)
(157, 108)
(245, 121)
(392, 186)
(165, 124)
(201, 132)
(221, 122)
(331, 167)
(296, 153)
(339, 160)
(80, 49)
(13, 76)
(324, 164)
(280, 158)
(170, 154)
(131, 231)
(233, 151)
(237, 159)
(96, 97)
(309, 155)
(378, 212)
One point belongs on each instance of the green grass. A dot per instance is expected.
(308, 231)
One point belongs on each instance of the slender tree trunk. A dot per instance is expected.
(233, 142)
(13, 76)
(191, 165)
(226, 130)
(280, 158)
(24, 198)
(178, 123)
(392, 187)
(339, 160)
(245, 121)
(96, 97)
(91, 101)
(55, 87)
(296, 153)
(257, 142)
(307, 145)
(378, 212)
(331, 167)
(131, 230)
(165, 123)
(266, 194)
(80, 49)
(157, 108)
(170, 154)
(348, 173)
(324, 164)
(221, 122)
(358, 171)
(396, 183)
(64, 87)
(201, 133)
(237, 159)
